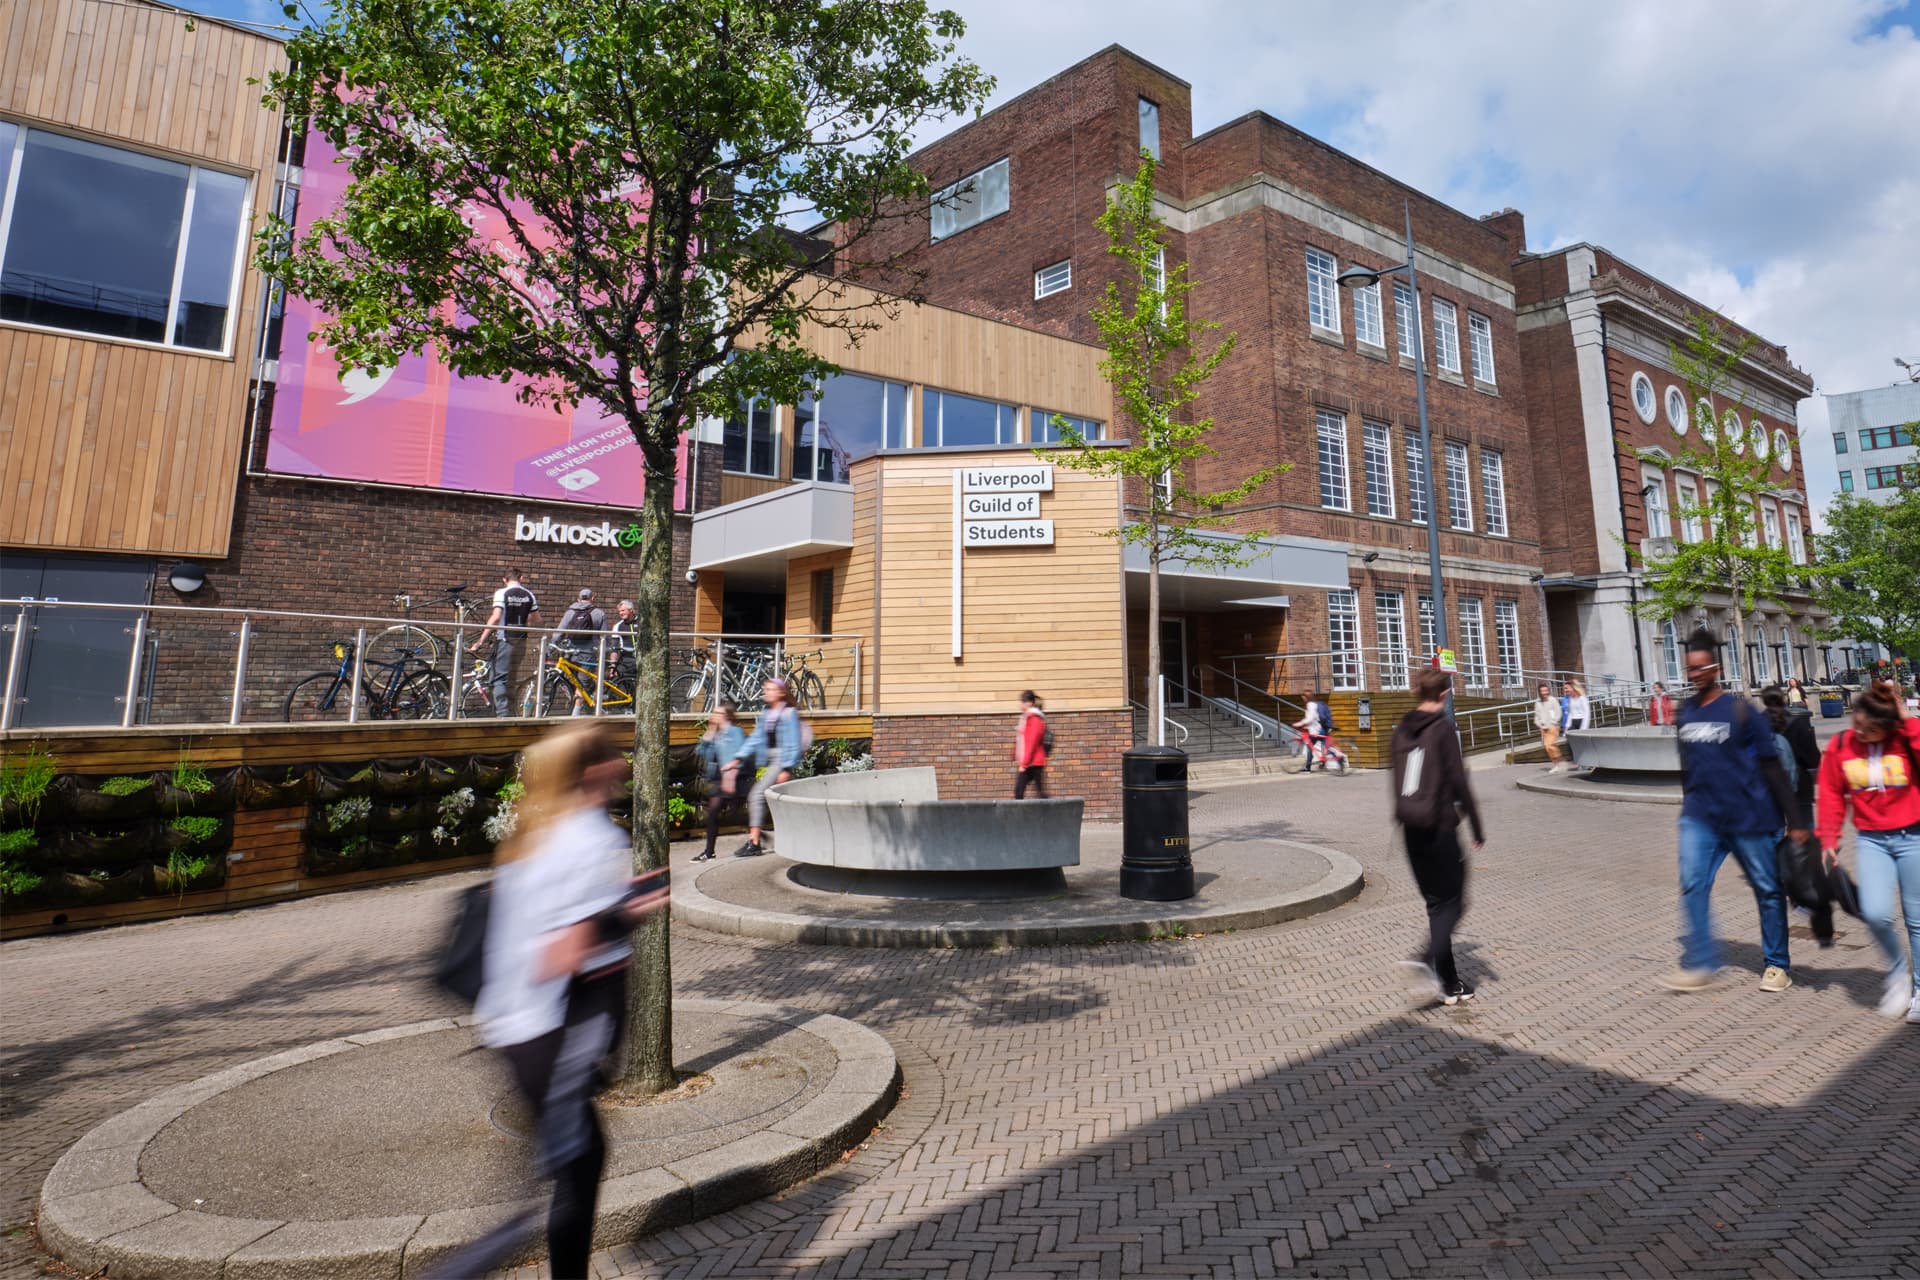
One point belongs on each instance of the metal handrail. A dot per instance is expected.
(1143, 709)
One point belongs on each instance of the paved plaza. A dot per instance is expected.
(1245, 1103)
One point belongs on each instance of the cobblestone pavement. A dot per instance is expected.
(1226, 1105)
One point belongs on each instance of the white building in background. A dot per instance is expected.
(1873, 440)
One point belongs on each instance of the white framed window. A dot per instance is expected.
(1390, 633)
(1480, 346)
(1645, 403)
(1786, 653)
(1406, 324)
(1654, 484)
(1323, 295)
(1150, 127)
(119, 244)
(1377, 442)
(1157, 278)
(1757, 438)
(1057, 278)
(1796, 536)
(1749, 515)
(1770, 522)
(1677, 410)
(1782, 448)
(1459, 487)
(1367, 324)
(1506, 634)
(747, 438)
(971, 201)
(1493, 490)
(1416, 480)
(1703, 421)
(1735, 658)
(1446, 335)
(949, 420)
(1473, 643)
(1670, 652)
(1343, 638)
(1332, 431)
(1762, 659)
(1163, 489)
(1736, 435)
(1429, 635)
(1689, 493)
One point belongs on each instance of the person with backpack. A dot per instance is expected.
(718, 752)
(1874, 767)
(579, 631)
(1430, 792)
(1031, 748)
(1735, 799)
(778, 742)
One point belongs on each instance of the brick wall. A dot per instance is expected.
(974, 754)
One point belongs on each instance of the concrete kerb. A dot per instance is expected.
(1601, 788)
(1343, 881)
(98, 1216)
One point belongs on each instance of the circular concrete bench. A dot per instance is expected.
(1632, 748)
(895, 820)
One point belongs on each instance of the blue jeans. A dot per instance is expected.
(1702, 850)
(1890, 860)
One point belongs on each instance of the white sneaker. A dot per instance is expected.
(1913, 1010)
(1897, 998)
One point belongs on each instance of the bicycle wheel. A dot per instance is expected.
(548, 696)
(687, 694)
(476, 701)
(321, 696)
(808, 691)
(399, 643)
(424, 695)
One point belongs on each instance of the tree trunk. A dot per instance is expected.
(1156, 732)
(647, 1060)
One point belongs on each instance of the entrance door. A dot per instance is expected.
(1173, 659)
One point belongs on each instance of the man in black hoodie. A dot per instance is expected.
(1429, 792)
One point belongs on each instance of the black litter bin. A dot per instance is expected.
(1156, 863)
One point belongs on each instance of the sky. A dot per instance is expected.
(1762, 156)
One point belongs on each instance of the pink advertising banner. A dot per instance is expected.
(420, 424)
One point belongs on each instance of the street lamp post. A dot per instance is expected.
(1360, 278)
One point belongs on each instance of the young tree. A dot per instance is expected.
(1868, 570)
(1157, 369)
(1731, 555)
(634, 163)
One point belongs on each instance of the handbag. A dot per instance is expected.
(461, 969)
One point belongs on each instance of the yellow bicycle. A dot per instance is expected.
(567, 682)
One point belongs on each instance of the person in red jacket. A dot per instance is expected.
(1875, 766)
(1030, 748)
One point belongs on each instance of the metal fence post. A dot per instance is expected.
(1160, 694)
(719, 671)
(16, 654)
(133, 671)
(239, 671)
(459, 651)
(600, 681)
(359, 658)
(539, 680)
(856, 675)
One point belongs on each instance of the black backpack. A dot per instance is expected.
(1046, 739)
(461, 969)
(1326, 718)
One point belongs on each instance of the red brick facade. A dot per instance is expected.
(974, 754)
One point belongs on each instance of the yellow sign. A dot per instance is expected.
(1446, 660)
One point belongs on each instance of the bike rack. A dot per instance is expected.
(600, 680)
(133, 671)
(359, 657)
(453, 690)
(239, 670)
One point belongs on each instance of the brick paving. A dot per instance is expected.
(1230, 1105)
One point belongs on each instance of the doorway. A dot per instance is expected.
(1173, 659)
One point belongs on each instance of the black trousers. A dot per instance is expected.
(717, 803)
(1440, 870)
(1034, 775)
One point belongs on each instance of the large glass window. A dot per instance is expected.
(952, 420)
(971, 201)
(1405, 323)
(1390, 632)
(746, 438)
(1367, 324)
(1446, 335)
(1796, 536)
(1733, 658)
(1670, 652)
(1343, 637)
(1459, 487)
(1480, 341)
(1689, 508)
(1378, 440)
(1493, 490)
(1655, 485)
(113, 242)
(1770, 522)
(1885, 438)
(853, 417)
(1890, 477)
(1506, 634)
(1043, 430)
(1416, 480)
(1473, 643)
(1333, 461)
(1323, 295)
(1150, 128)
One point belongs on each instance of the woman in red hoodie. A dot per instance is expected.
(1030, 749)
(1876, 766)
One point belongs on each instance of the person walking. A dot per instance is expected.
(1546, 718)
(1576, 713)
(553, 1002)
(1796, 695)
(774, 749)
(719, 754)
(1030, 747)
(514, 605)
(1735, 800)
(578, 632)
(1799, 752)
(1874, 767)
(1431, 791)
(1660, 705)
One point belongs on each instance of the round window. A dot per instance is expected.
(1782, 449)
(1757, 437)
(1735, 436)
(1644, 402)
(1703, 418)
(1677, 410)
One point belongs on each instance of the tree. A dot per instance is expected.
(1868, 570)
(1730, 556)
(639, 161)
(1157, 369)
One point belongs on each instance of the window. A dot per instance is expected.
(1323, 295)
(1891, 477)
(1689, 508)
(1762, 670)
(1416, 480)
(1057, 278)
(1367, 325)
(1378, 443)
(1734, 433)
(746, 438)
(1796, 536)
(1043, 430)
(1506, 634)
(1839, 442)
(1480, 344)
(1677, 410)
(822, 602)
(1885, 438)
(1846, 482)
(1770, 522)
(112, 242)
(1163, 489)
(1157, 279)
(1405, 323)
(1655, 486)
(951, 420)
(1786, 654)
(1782, 449)
(1150, 128)
(852, 417)
(970, 201)
(1734, 658)
(1493, 490)
(1333, 461)
(1390, 631)
(1459, 487)
(1473, 643)
(1446, 335)
(1643, 401)
(1670, 652)
(1703, 419)
(1757, 437)
(1429, 640)
(1343, 638)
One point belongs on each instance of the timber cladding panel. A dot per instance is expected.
(1051, 619)
(119, 446)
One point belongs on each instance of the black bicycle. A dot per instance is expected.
(407, 689)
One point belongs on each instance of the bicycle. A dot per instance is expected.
(804, 685)
(405, 690)
(405, 640)
(568, 680)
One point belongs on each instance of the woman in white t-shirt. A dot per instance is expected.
(554, 999)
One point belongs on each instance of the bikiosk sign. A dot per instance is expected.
(1000, 506)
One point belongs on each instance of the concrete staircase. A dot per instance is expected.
(1217, 745)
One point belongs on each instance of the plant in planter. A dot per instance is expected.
(197, 829)
(500, 826)
(24, 778)
(189, 788)
(399, 777)
(184, 871)
(18, 842)
(347, 816)
(272, 786)
(17, 881)
(105, 848)
(112, 799)
(680, 810)
(350, 854)
(862, 763)
(441, 776)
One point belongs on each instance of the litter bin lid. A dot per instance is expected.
(1150, 752)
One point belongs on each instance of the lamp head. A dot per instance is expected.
(1370, 557)
(1357, 277)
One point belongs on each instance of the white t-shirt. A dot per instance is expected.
(580, 868)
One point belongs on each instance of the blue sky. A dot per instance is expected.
(1760, 156)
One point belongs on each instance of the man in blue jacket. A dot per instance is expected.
(775, 748)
